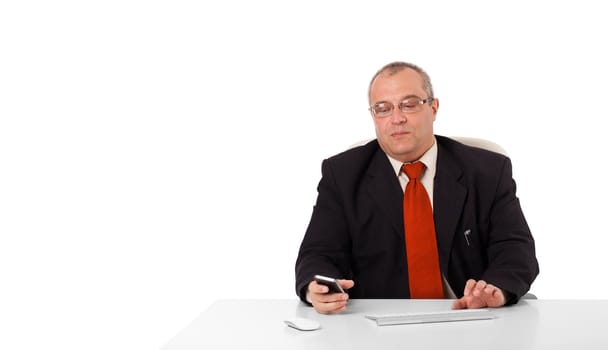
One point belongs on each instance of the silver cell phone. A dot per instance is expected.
(331, 283)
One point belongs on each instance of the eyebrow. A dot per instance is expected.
(402, 99)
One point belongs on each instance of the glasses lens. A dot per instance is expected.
(411, 104)
(382, 109)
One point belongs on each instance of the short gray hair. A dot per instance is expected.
(396, 67)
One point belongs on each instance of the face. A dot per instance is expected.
(402, 136)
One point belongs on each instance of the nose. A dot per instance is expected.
(397, 116)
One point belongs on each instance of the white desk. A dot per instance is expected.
(531, 324)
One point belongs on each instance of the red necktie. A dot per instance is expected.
(420, 240)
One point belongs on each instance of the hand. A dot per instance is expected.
(328, 303)
(478, 294)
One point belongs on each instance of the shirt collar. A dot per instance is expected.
(429, 159)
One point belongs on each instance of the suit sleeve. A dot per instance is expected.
(325, 248)
(512, 264)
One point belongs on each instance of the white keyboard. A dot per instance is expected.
(429, 317)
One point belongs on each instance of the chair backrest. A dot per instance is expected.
(480, 143)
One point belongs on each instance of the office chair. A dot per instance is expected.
(480, 143)
(529, 296)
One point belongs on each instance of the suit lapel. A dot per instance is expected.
(448, 200)
(384, 188)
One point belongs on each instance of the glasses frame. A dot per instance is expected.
(420, 103)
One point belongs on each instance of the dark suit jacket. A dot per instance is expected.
(356, 229)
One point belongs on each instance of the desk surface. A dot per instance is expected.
(531, 324)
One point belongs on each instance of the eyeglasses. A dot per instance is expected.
(411, 104)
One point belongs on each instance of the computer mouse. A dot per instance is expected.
(303, 324)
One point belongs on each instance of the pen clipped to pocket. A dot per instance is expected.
(467, 233)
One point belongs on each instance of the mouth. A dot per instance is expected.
(400, 133)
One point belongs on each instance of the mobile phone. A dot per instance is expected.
(331, 283)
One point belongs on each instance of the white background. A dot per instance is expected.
(158, 155)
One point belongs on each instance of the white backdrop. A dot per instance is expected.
(158, 155)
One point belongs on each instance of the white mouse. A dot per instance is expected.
(303, 324)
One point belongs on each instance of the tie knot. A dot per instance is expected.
(413, 170)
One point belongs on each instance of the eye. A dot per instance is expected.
(410, 103)
(383, 107)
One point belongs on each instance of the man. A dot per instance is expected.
(481, 250)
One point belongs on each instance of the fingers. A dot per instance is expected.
(469, 302)
(479, 288)
(468, 287)
(459, 304)
(331, 306)
(346, 284)
(495, 296)
(314, 287)
(325, 302)
(478, 294)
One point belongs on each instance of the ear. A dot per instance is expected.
(435, 107)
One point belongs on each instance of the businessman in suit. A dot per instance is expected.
(485, 251)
